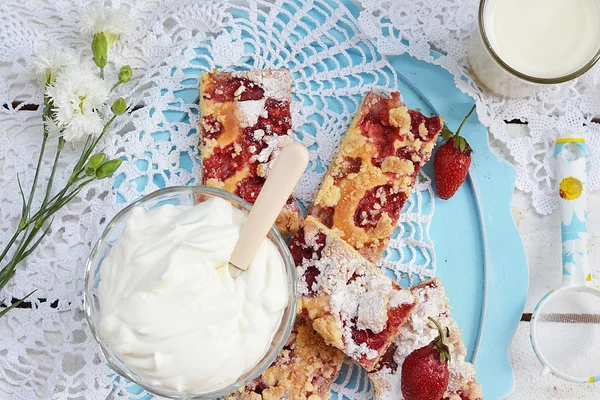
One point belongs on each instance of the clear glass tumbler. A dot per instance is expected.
(185, 196)
(492, 72)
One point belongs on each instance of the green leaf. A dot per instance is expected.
(446, 133)
(15, 304)
(37, 242)
(24, 208)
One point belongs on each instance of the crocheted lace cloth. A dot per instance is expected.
(48, 351)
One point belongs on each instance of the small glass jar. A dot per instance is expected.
(182, 196)
(492, 72)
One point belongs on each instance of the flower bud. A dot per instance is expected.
(108, 168)
(100, 49)
(119, 106)
(125, 74)
(94, 163)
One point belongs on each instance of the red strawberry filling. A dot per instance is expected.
(224, 162)
(303, 252)
(249, 188)
(378, 200)
(225, 88)
(349, 166)
(375, 125)
(211, 128)
(387, 360)
(376, 341)
(325, 215)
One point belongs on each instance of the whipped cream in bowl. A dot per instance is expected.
(161, 302)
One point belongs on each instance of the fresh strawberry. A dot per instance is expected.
(452, 161)
(425, 370)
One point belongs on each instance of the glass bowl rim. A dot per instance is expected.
(267, 359)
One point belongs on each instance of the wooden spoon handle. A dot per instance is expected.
(281, 182)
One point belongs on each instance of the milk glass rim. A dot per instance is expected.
(93, 266)
(545, 81)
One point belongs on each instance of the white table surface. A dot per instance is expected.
(541, 238)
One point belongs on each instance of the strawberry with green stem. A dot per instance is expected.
(452, 161)
(425, 371)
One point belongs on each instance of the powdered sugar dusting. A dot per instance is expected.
(277, 88)
(248, 112)
(276, 84)
(357, 293)
(418, 332)
(274, 144)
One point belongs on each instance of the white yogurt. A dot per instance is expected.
(170, 309)
(544, 38)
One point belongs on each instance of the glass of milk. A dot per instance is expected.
(522, 46)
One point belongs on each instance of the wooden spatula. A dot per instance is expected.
(288, 168)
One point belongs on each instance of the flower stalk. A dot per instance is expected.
(73, 98)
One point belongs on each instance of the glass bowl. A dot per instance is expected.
(185, 196)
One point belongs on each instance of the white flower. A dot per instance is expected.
(77, 94)
(51, 127)
(49, 62)
(107, 20)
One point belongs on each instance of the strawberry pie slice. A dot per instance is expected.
(304, 369)
(351, 302)
(245, 120)
(374, 172)
(417, 333)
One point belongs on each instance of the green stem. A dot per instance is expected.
(10, 243)
(102, 72)
(61, 144)
(16, 304)
(106, 126)
(439, 328)
(465, 120)
(23, 245)
(37, 174)
(115, 86)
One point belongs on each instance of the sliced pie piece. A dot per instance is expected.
(245, 120)
(374, 172)
(418, 332)
(351, 302)
(305, 369)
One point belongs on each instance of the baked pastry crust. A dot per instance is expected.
(374, 171)
(245, 120)
(351, 302)
(304, 370)
(418, 332)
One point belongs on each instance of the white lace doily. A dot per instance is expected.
(48, 351)
(420, 26)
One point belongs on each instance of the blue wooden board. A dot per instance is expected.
(480, 257)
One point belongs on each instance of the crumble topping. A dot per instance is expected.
(397, 165)
(418, 332)
(374, 171)
(304, 370)
(331, 192)
(423, 132)
(400, 118)
(351, 303)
